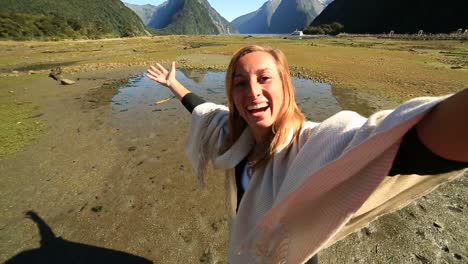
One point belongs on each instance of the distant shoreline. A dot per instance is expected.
(416, 36)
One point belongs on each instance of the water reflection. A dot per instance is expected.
(137, 100)
(194, 74)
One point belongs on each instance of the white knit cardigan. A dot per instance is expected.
(328, 184)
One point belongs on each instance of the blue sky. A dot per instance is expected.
(229, 9)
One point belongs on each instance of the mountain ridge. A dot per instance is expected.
(367, 16)
(145, 12)
(187, 17)
(257, 21)
(280, 16)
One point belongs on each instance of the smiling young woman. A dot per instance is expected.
(294, 186)
(259, 76)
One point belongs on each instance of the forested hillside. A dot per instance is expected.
(400, 16)
(56, 19)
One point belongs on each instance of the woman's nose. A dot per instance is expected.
(254, 88)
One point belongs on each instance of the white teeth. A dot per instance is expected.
(257, 106)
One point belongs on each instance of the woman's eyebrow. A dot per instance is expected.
(256, 72)
(263, 69)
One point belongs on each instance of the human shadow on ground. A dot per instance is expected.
(56, 250)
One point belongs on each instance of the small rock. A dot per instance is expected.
(369, 230)
(67, 81)
(36, 116)
(422, 207)
(206, 257)
(445, 248)
(421, 233)
(132, 148)
(456, 209)
(422, 258)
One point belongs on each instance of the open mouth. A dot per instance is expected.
(256, 108)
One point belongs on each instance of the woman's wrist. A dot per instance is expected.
(178, 89)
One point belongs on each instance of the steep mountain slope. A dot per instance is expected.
(145, 12)
(257, 21)
(370, 16)
(280, 16)
(68, 18)
(189, 17)
(294, 14)
(163, 15)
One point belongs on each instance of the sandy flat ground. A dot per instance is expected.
(106, 186)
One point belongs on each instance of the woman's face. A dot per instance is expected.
(257, 90)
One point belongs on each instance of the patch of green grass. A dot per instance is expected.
(19, 123)
(19, 126)
(96, 209)
(6, 83)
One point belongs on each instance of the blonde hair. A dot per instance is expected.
(289, 117)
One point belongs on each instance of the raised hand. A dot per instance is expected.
(167, 78)
(159, 74)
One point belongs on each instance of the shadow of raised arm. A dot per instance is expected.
(56, 250)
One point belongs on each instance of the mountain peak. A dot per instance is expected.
(280, 16)
(186, 17)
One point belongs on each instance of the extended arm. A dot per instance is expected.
(445, 129)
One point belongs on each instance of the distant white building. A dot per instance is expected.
(297, 33)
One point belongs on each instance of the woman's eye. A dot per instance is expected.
(265, 78)
(239, 84)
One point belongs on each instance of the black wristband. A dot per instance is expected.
(191, 100)
(414, 157)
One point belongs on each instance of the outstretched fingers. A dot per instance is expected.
(151, 76)
(154, 74)
(158, 78)
(161, 68)
(155, 71)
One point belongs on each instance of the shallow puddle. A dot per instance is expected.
(142, 99)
